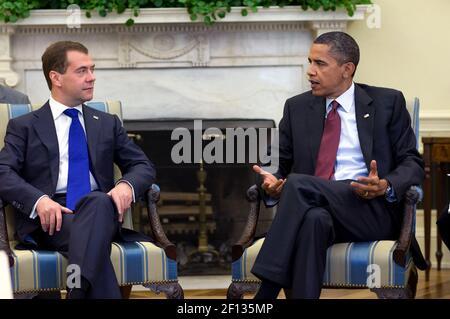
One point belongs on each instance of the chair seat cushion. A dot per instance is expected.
(346, 265)
(134, 263)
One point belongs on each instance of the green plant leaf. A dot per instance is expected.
(207, 20)
(12, 10)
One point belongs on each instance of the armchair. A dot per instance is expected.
(152, 265)
(346, 263)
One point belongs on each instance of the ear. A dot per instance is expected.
(55, 77)
(349, 69)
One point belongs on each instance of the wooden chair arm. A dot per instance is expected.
(155, 223)
(407, 229)
(247, 236)
(4, 241)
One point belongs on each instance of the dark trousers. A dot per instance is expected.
(85, 238)
(312, 215)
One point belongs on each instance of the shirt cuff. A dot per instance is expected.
(132, 188)
(269, 201)
(33, 210)
(390, 194)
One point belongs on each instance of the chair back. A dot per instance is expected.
(10, 111)
(413, 109)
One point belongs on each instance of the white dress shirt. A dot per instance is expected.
(349, 160)
(62, 125)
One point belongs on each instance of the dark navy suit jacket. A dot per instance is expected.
(29, 161)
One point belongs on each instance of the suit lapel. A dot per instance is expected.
(92, 123)
(316, 119)
(46, 131)
(365, 116)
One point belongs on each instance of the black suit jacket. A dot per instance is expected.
(29, 161)
(384, 131)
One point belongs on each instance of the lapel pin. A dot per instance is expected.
(95, 117)
(366, 115)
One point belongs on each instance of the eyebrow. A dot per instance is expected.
(317, 61)
(85, 67)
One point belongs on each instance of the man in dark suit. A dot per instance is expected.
(11, 96)
(347, 155)
(57, 172)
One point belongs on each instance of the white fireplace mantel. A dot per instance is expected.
(180, 15)
(168, 66)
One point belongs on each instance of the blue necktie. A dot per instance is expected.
(78, 182)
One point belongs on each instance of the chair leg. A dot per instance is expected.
(237, 289)
(125, 291)
(409, 292)
(172, 290)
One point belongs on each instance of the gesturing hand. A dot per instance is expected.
(271, 185)
(371, 186)
(122, 196)
(50, 214)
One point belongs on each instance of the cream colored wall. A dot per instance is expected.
(410, 52)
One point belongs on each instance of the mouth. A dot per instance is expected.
(314, 83)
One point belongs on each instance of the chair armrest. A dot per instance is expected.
(155, 223)
(4, 241)
(407, 230)
(247, 236)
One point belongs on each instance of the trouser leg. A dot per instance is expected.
(308, 265)
(354, 219)
(86, 238)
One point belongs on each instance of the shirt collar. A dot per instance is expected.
(58, 108)
(345, 100)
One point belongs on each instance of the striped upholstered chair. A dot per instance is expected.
(347, 263)
(135, 263)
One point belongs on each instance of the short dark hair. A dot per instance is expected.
(55, 57)
(342, 46)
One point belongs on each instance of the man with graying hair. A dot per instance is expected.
(347, 157)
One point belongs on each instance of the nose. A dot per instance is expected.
(91, 76)
(311, 70)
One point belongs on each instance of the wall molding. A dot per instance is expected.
(435, 122)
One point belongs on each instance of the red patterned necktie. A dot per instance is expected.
(329, 143)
